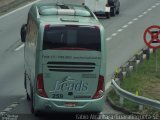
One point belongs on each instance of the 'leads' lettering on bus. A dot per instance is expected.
(77, 86)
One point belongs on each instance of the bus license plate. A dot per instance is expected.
(70, 104)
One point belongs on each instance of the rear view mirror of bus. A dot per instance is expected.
(23, 32)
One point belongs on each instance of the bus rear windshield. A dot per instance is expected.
(72, 38)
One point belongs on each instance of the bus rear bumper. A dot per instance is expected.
(61, 105)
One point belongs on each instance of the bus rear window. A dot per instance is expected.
(72, 38)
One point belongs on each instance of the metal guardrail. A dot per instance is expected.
(133, 97)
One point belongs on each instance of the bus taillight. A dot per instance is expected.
(100, 89)
(40, 86)
(47, 27)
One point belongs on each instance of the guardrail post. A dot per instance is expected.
(139, 57)
(117, 81)
(118, 74)
(154, 51)
(132, 63)
(147, 52)
(121, 100)
(140, 107)
(124, 71)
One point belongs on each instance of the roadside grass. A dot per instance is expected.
(143, 81)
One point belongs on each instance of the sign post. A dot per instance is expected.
(153, 32)
(156, 60)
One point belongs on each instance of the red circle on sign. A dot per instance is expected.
(154, 36)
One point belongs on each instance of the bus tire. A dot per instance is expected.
(32, 106)
(33, 111)
(25, 86)
(28, 98)
(25, 80)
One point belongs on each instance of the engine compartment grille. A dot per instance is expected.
(71, 66)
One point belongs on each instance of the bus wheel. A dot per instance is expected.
(28, 98)
(25, 85)
(32, 106)
(25, 80)
(33, 111)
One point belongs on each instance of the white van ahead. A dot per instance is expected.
(99, 7)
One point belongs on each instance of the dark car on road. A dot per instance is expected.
(115, 6)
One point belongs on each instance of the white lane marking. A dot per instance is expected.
(2, 113)
(125, 26)
(23, 98)
(13, 105)
(16, 103)
(108, 39)
(149, 9)
(18, 9)
(18, 48)
(140, 16)
(114, 34)
(120, 30)
(153, 6)
(145, 12)
(129, 23)
(135, 19)
(157, 4)
(7, 109)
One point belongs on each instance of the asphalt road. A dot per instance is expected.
(124, 35)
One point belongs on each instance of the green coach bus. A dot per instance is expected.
(64, 56)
